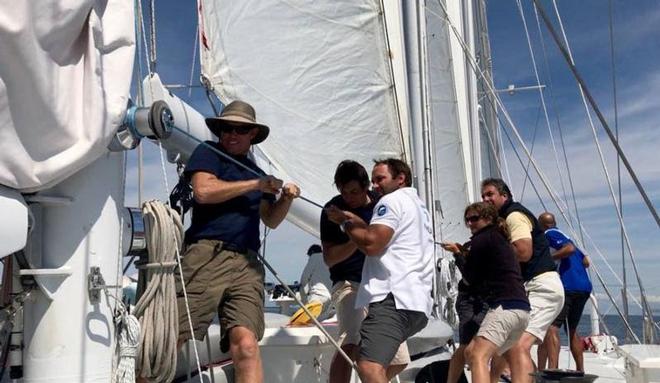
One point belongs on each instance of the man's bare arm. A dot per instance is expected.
(523, 249)
(273, 214)
(564, 252)
(371, 239)
(333, 253)
(209, 189)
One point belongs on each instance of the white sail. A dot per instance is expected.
(450, 173)
(65, 72)
(318, 73)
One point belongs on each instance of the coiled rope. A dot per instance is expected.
(157, 309)
(128, 340)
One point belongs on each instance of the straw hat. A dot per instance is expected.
(238, 113)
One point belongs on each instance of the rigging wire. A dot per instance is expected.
(152, 50)
(565, 50)
(542, 98)
(615, 143)
(559, 125)
(618, 160)
(531, 151)
(497, 100)
(192, 64)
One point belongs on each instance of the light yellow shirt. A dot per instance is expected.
(520, 227)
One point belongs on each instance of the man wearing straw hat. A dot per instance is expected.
(220, 266)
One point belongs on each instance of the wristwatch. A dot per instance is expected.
(345, 224)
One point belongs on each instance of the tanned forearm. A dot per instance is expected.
(273, 214)
(564, 252)
(372, 239)
(335, 253)
(213, 190)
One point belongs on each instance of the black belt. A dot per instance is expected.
(233, 247)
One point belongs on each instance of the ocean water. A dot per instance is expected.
(613, 325)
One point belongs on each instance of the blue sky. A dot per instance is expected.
(637, 50)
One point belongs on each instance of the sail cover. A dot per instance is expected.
(318, 73)
(65, 72)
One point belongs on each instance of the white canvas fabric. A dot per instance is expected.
(405, 268)
(65, 73)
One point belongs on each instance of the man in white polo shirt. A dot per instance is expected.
(398, 269)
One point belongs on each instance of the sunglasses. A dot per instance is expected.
(242, 130)
(472, 218)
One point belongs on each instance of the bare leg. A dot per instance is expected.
(244, 351)
(371, 372)
(497, 366)
(552, 345)
(542, 353)
(478, 353)
(520, 359)
(577, 348)
(456, 364)
(394, 370)
(340, 370)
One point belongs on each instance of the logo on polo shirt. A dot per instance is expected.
(381, 210)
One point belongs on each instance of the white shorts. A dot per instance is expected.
(503, 327)
(546, 296)
(350, 319)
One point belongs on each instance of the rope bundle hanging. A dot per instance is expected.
(128, 340)
(448, 289)
(157, 308)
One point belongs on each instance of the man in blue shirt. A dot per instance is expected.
(220, 266)
(577, 289)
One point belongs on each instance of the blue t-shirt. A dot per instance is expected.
(235, 221)
(571, 270)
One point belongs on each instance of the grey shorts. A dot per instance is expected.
(385, 328)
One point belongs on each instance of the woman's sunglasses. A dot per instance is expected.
(472, 218)
(242, 130)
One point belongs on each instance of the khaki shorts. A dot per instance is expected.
(546, 296)
(350, 318)
(503, 327)
(225, 282)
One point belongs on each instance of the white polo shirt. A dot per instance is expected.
(406, 266)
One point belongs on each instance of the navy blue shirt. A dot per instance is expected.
(350, 269)
(235, 221)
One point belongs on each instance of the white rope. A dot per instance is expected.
(157, 308)
(128, 341)
(448, 288)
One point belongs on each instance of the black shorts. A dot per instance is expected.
(471, 311)
(574, 302)
(385, 328)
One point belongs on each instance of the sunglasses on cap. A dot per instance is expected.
(242, 130)
(472, 218)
